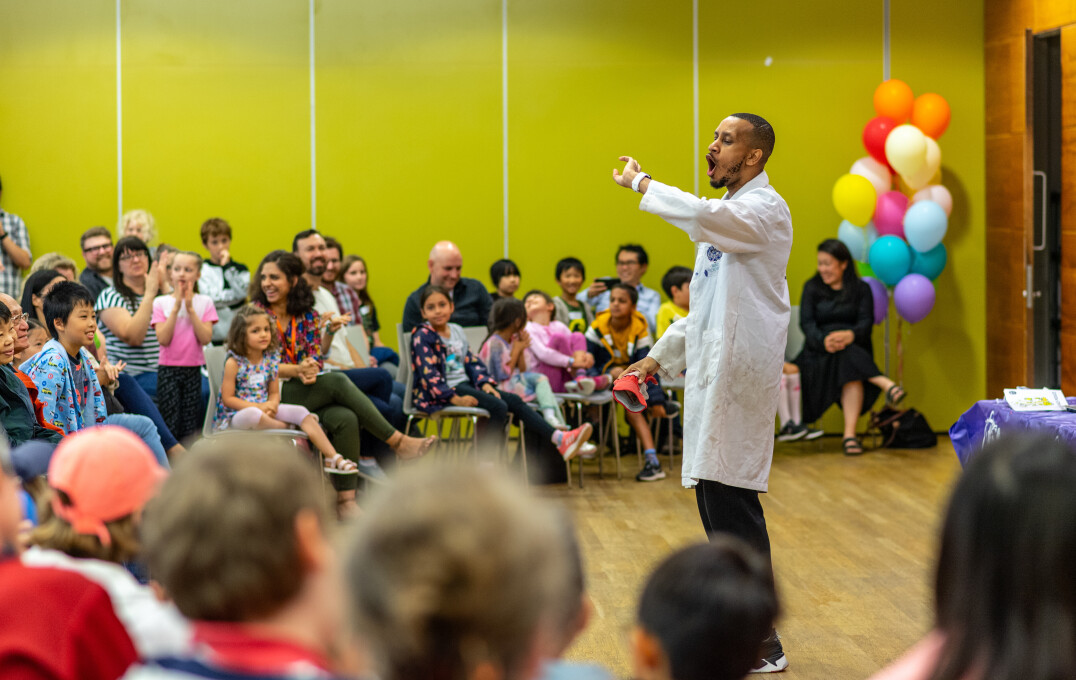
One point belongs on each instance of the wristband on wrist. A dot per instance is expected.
(639, 177)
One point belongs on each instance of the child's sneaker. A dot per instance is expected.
(630, 393)
(369, 469)
(602, 383)
(555, 422)
(573, 441)
(571, 387)
(585, 385)
(650, 473)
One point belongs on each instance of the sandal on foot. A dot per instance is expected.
(338, 465)
(852, 447)
(894, 395)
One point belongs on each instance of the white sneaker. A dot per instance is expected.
(571, 387)
(586, 386)
(588, 451)
(556, 423)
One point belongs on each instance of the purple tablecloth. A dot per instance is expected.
(987, 420)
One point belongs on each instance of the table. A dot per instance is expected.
(987, 420)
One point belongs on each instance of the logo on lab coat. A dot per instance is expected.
(714, 256)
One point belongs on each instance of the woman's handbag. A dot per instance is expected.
(902, 429)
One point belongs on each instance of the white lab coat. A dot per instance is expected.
(733, 341)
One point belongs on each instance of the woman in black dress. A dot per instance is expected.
(837, 361)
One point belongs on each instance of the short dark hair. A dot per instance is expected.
(305, 233)
(534, 291)
(634, 248)
(5, 313)
(1004, 592)
(504, 313)
(61, 301)
(429, 291)
(710, 605)
(91, 233)
(676, 276)
(502, 268)
(333, 244)
(215, 226)
(571, 263)
(128, 244)
(762, 137)
(34, 284)
(630, 290)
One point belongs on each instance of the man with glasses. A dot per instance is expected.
(96, 245)
(631, 265)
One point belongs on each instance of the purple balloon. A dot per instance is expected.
(889, 213)
(881, 298)
(914, 297)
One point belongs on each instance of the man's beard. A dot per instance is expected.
(316, 268)
(728, 176)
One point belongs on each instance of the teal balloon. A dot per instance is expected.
(925, 224)
(931, 263)
(891, 259)
(853, 237)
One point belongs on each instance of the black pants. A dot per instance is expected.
(733, 510)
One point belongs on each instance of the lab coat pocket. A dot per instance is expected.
(713, 341)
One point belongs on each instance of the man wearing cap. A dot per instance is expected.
(58, 624)
(101, 479)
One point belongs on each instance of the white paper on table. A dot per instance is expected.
(1025, 399)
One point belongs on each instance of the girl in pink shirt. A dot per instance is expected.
(555, 351)
(183, 322)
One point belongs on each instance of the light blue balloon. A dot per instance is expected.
(925, 224)
(931, 263)
(853, 237)
(890, 259)
(872, 235)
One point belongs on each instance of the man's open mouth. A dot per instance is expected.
(711, 165)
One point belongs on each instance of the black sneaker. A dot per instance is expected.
(650, 473)
(791, 432)
(812, 434)
(773, 656)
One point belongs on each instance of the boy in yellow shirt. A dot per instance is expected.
(676, 284)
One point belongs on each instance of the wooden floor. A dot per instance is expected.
(853, 544)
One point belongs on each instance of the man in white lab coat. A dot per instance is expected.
(732, 343)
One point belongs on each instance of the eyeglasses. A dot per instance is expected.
(97, 249)
(136, 255)
(16, 320)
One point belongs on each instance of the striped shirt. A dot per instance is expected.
(11, 276)
(142, 359)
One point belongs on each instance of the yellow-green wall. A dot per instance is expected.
(216, 122)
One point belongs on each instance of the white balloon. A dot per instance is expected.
(875, 172)
(906, 150)
(930, 168)
(937, 193)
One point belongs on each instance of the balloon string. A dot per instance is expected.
(900, 351)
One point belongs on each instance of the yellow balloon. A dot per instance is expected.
(854, 198)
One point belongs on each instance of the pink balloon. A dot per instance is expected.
(937, 193)
(876, 172)
(889, 213)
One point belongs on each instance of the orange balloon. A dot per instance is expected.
(930, 114)
(893, 99)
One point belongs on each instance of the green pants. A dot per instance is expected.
(342, 408)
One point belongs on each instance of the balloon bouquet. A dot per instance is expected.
(895, 232)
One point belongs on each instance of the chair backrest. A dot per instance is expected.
(356, 335)
(475, 336)
(215, 356)
(796, 338)
(405, 375)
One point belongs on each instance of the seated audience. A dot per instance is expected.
(346, 298)
(704, 613)
(469, 298)
(676, 284)
(36, 286)
(790, 408)
(249, 396)
(447, 373)
(14, 251)
(57, 261)
(631, 264)
(164, 253)
(139, 224)
(570, 310)
(837, 361)
(1005, 606)
(239, 539)
(126, 308)
(354, 274)
(223, 279)
(61, 625)
(280, 289)
(554, 351)
(100, 480)
(67, 383)
(503, 355)
(618, 338)
(505, 277)
(35, 338)
(456, 574)
(96, 245)
(17, 413)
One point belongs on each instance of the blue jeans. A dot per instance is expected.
(383, 354)
(135, 400)
(145, 429)
(148, 382)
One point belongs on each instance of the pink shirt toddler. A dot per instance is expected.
(185, 349)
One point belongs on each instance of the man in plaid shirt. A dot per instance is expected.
(14, 251)
(345, 297)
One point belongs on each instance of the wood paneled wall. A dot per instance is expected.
(1009, 204)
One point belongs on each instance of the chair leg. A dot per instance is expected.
(616, 437)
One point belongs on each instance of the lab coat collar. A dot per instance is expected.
(760, 180)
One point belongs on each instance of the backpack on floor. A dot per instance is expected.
(902, 429)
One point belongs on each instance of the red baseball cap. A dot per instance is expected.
(107, 473)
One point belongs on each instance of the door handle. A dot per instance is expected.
(1042, 222)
